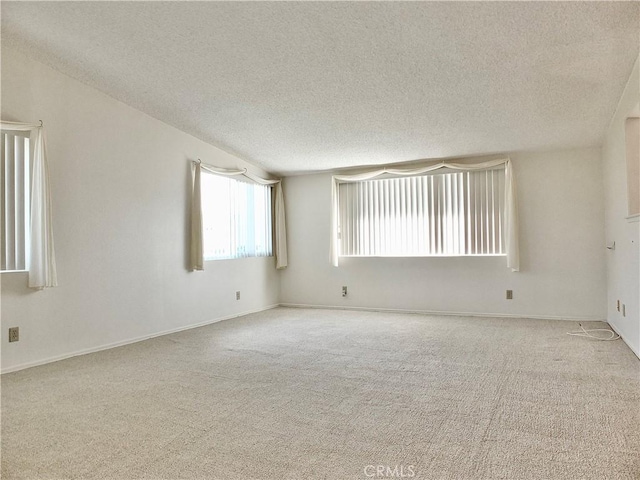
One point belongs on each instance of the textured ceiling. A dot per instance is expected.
(297, 86)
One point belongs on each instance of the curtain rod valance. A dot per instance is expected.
(359, 177)
(42, 259)
(232, 173)
(197, 244)
(511, 214)
(19, 126)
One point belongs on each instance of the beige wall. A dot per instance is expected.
(623, 266)
(120, 182)
(561, 240)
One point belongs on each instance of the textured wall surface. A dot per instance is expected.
(120, 188)
(561, 241)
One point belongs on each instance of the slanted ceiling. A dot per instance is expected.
(306, 86)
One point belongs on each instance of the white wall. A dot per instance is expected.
(623, 267)
(562, 252)
(120, 183)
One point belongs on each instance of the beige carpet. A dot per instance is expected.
(306, 394)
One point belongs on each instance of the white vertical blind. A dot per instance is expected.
(14, 177)
(443, 214)
(236, 218)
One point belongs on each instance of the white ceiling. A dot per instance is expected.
(296, 86)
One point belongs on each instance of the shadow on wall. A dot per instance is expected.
(15, 284)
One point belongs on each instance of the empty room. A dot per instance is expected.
(320, 240)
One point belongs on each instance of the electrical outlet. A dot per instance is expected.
(344, 291)
(509, 294)
(14, 334)
(238, 295)
(618, 304)
(624, 310)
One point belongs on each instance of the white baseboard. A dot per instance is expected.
(625, 340)
(86, 351)
(445, 313)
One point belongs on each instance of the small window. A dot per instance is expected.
(445, 214)
(236, 218)
(14, 177)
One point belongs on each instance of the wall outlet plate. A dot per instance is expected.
(344, 291)
(238, 295)
(14, 334)
(509, 294)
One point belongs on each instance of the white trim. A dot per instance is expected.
(45, 361)
(633, 218)
(624, 339)
(435, 255)
(108, 346)
(446, 313)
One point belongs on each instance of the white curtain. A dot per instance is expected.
(510, 206)
(42, 261)
(197, 246)
(196, 249)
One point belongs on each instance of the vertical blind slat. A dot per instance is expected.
(3, 179)
(9, 199)
(19, 203)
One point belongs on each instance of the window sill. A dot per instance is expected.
(423, 256)
(215, 259)
(14, 271)
(633, 218)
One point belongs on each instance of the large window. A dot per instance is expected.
(14, 221)
(236, 218)
(440, 214)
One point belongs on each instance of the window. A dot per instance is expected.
(236, 218)
(14, 177)
(443, 214)
(632, 134)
